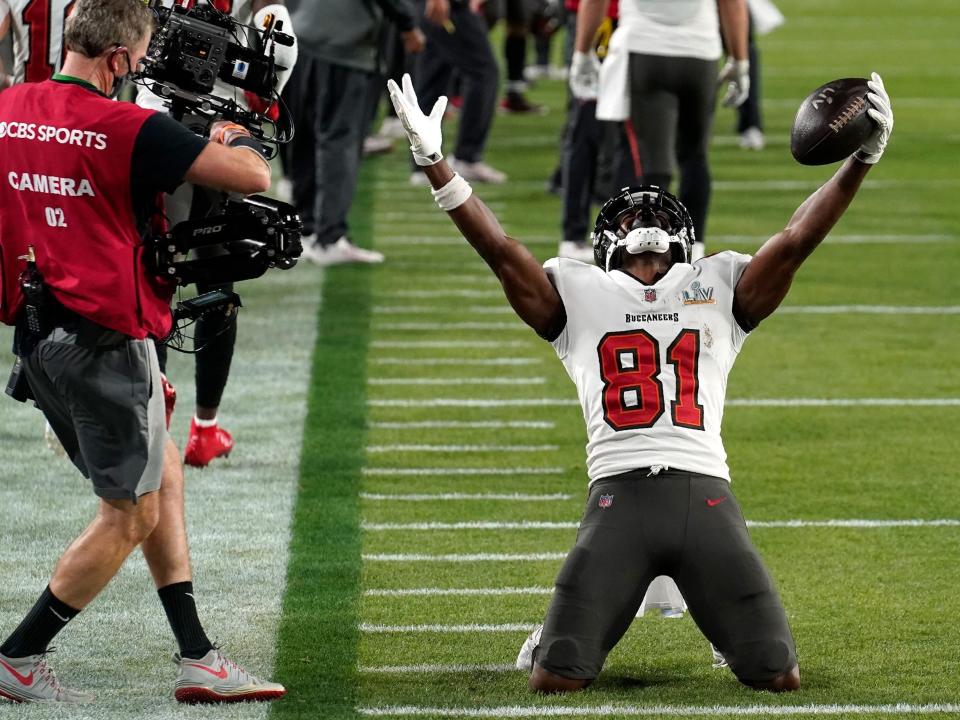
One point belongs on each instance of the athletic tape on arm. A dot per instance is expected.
(454, 194)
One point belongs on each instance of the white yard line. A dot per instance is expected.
(468, 592)
(459, 381)
(438, 344)
(434, 669)
(806, 309)
(457, 361)
(871, 309)
(462, 471)
(461, 448)
(447, 326)
(540, 711)
(472, 628)
(463, 557)
(450, 292)
(734, 402)
(458, 424)
(853, 523)
(878, 239)
(434, 497)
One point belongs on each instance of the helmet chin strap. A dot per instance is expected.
(646, 239)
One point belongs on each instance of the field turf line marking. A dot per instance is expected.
(458, 558)
(453, 424)
(457, 361)
(844, 239)
(448, 344)
(460, 448)
(445, 326)
(533, 711)
(462, 471)
(870, 309)
(472, 628)
(452, 292)
(459, 381)
(811, 309)
(418, 309)
(433, 592)
(734, 402)
(432, 497)
(430, 669)
(854, 523)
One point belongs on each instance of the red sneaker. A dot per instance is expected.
(206, 443)
(169, 397)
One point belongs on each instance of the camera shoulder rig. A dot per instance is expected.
(242, 241)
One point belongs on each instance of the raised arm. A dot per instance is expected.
(524, 281)
(767, 279)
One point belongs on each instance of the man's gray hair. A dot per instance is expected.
(95, 26)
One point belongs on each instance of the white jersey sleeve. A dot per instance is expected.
(650, 362)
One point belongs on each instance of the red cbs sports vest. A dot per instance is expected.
(65, 162)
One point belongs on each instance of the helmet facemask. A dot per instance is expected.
(641, 219)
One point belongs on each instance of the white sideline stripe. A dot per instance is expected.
(471, 525)
(430, 592)
(421, 309)
(735, 402)
(458, 381)
(462, 471)
(455, 361)
(455, 402)
(467, 325)
(451, 424)
(811, 309)
(475, 557)
(448, 344)
(503, 627)
(534, 711)
(460, 448)
(432, 669)
(432, 497)
(843, 239)
(452, 292)
(571, 525)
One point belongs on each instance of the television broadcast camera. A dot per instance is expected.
(195, 50)
(194, 47)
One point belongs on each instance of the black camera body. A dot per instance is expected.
(194, 48)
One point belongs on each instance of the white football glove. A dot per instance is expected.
(882, 115)
(423, 131)
(736, 73)
(585, 75)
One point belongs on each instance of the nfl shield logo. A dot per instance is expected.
(605, 501)
(649, 295)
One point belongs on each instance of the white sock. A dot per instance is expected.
(204, 423)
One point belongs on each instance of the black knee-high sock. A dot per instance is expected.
(181, 611)
(46, 618)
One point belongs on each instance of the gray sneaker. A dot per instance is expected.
(30, 679)
(341, 252)
(478, 172)
(215, 679)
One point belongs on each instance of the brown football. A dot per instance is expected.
(832, 122)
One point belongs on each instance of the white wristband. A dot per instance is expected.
(454, 194)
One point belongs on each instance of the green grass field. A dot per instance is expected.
(441, 466)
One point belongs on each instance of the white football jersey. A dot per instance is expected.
(650, 362)
(37, 29)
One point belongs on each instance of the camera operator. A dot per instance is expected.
(80, 175)
(215, 334)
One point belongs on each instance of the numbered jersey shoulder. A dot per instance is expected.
(37, 28)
